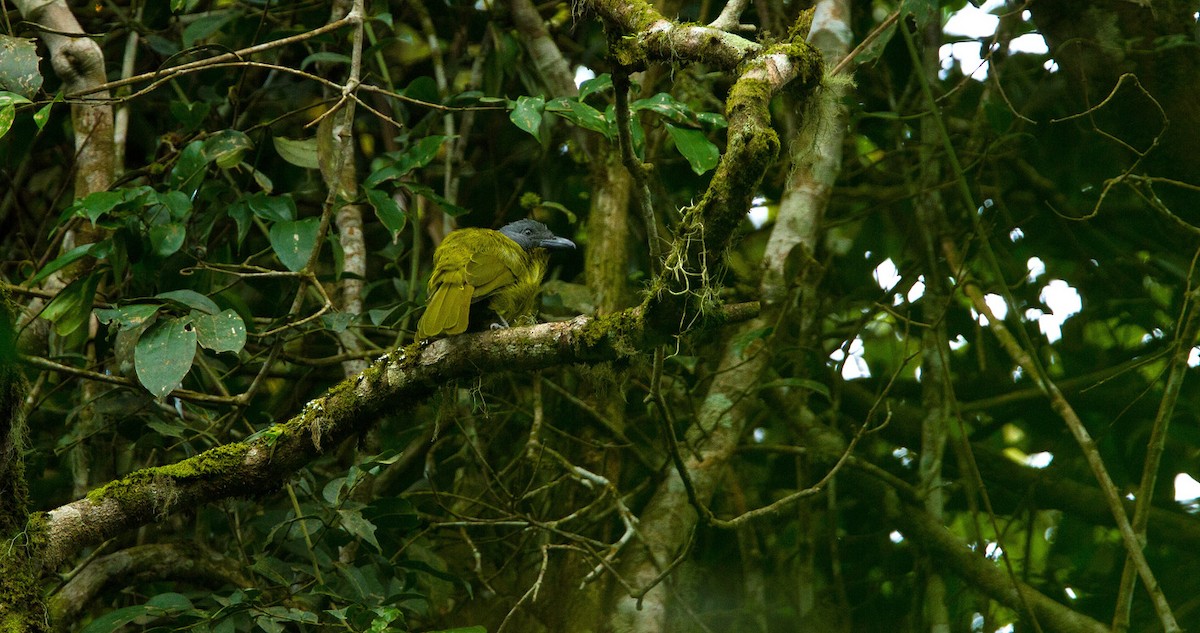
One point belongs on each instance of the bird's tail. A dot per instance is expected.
(448, 311)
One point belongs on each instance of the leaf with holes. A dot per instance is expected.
(164, 355)
(224, 332)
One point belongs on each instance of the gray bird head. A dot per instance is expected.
(531, 234)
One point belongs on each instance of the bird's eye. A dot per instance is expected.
(528, 231)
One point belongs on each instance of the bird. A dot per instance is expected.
(504, 268)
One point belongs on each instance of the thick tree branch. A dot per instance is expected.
(394, 383)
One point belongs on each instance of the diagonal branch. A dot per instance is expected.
(395, 382)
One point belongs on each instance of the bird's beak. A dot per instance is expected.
(557, 243)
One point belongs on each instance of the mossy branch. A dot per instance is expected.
(396, 382)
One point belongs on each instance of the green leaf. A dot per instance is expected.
(177, 203)
(388, 212)
(19, 73)
(597, 84)
(293, 241)
(114, 620)
(170, 601)
(97, 204)
(167, 239)
(72, 306)
(241, 214)
(712, 120)
(223, 332)
(189, 169)
(299, 152)
(700, 152)
(191, 299)
(130, 316)
(190, 115)
(337, 321)
(527, 115)
(272, 208)
(325, 57)
(416, 156)
(8, 114)
(421, 190)
(581, 114)
(227, 147)
(204, 26)
(164, 355)
(166, 429)
(96, 249)
(357, 525)
(875, 48)
(666, 106)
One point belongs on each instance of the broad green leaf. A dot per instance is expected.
(418, 155)
(19, 72)
(325, 57)
(170, 601)
(700, 152)
(875, 48)
(191, 115)
(422, 190)
(299, 152)
(337, 321)
(205, 25)
(596, 84)
(666, 106)
(223, 332)
(8, 114)
(272, 208)
(11, 98)
(115, 620)
(167, 239)
(164, 355)
(166, 429)
(177, 203)
(357, 525)
(133, 315)
(97, 204)
(581, 114)
(70, 308)
(191, 299)
(712, 120)
(96, 249)
(227, 147)
(389, 213)
(241, 214)
(293, 241)
(189, 169)
(527, 115)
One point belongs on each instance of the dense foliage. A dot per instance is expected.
(969, 345)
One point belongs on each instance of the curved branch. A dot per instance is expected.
(395, 382)
(157, 561)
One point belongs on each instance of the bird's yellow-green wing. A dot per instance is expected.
(469, 265)
(447, 312)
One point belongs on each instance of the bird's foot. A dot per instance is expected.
(502, 325)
